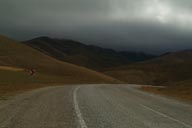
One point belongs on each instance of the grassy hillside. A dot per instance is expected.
(90, 56)
(49, 70)
(174, 67)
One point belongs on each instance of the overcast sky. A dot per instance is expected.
(144, 25)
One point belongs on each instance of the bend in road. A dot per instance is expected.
(94, 106)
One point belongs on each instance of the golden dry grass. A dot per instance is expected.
(179, 92)
(15, 54)
(164, 70)
(8, 68)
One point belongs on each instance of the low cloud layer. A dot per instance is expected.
(144, 25)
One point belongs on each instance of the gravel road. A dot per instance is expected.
(93, 106)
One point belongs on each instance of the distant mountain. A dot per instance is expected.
(137, 56)
(14, 55)
(90, 56)
(169, 69)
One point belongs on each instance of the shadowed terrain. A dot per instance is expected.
(90, 56)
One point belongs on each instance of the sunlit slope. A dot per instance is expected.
(15, 54)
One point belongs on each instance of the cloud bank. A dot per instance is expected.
(144, 25)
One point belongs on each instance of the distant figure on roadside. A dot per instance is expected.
(32, 72)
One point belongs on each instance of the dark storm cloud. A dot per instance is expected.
(146, 25)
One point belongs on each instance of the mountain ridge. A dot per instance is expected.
(90, 56)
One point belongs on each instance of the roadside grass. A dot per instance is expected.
(172, 71)
(13, 82)
(181, 90)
